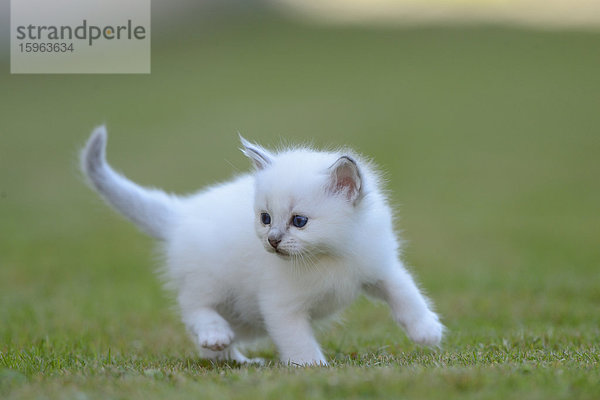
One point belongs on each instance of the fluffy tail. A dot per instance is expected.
(150, 209)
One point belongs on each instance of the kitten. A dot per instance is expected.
(271, 251)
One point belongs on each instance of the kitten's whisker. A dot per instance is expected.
(310, 261)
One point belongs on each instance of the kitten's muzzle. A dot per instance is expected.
(274, 239)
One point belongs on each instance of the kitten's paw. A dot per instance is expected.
(256, 360)
(231, 353)
(215, 338)
(427, 330)
(242, 359)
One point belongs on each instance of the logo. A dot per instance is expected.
(80, 36)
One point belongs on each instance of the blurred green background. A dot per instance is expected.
(488, 136)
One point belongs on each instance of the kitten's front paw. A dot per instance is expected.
(215, 338)
(427, 330)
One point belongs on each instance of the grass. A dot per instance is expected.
(489, 138)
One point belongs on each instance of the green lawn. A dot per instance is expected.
(490, 139)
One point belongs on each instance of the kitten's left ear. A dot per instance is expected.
(259, 156)
(345, 178)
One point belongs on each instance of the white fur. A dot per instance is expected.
(234, 286)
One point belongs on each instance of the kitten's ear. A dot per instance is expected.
(345, 178)
(259, 156)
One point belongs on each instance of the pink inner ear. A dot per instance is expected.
(346, 184)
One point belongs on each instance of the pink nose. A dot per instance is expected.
(274, 242)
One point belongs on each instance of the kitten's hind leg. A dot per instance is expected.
(236, 355)
(230, 354)
(210, 330)
(409, 307)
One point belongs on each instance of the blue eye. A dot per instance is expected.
(299, 221)
(265, 218)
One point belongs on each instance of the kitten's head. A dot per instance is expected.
(306, 202)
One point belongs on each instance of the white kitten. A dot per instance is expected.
(271, 251)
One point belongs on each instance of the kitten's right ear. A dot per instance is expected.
(259, 156)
